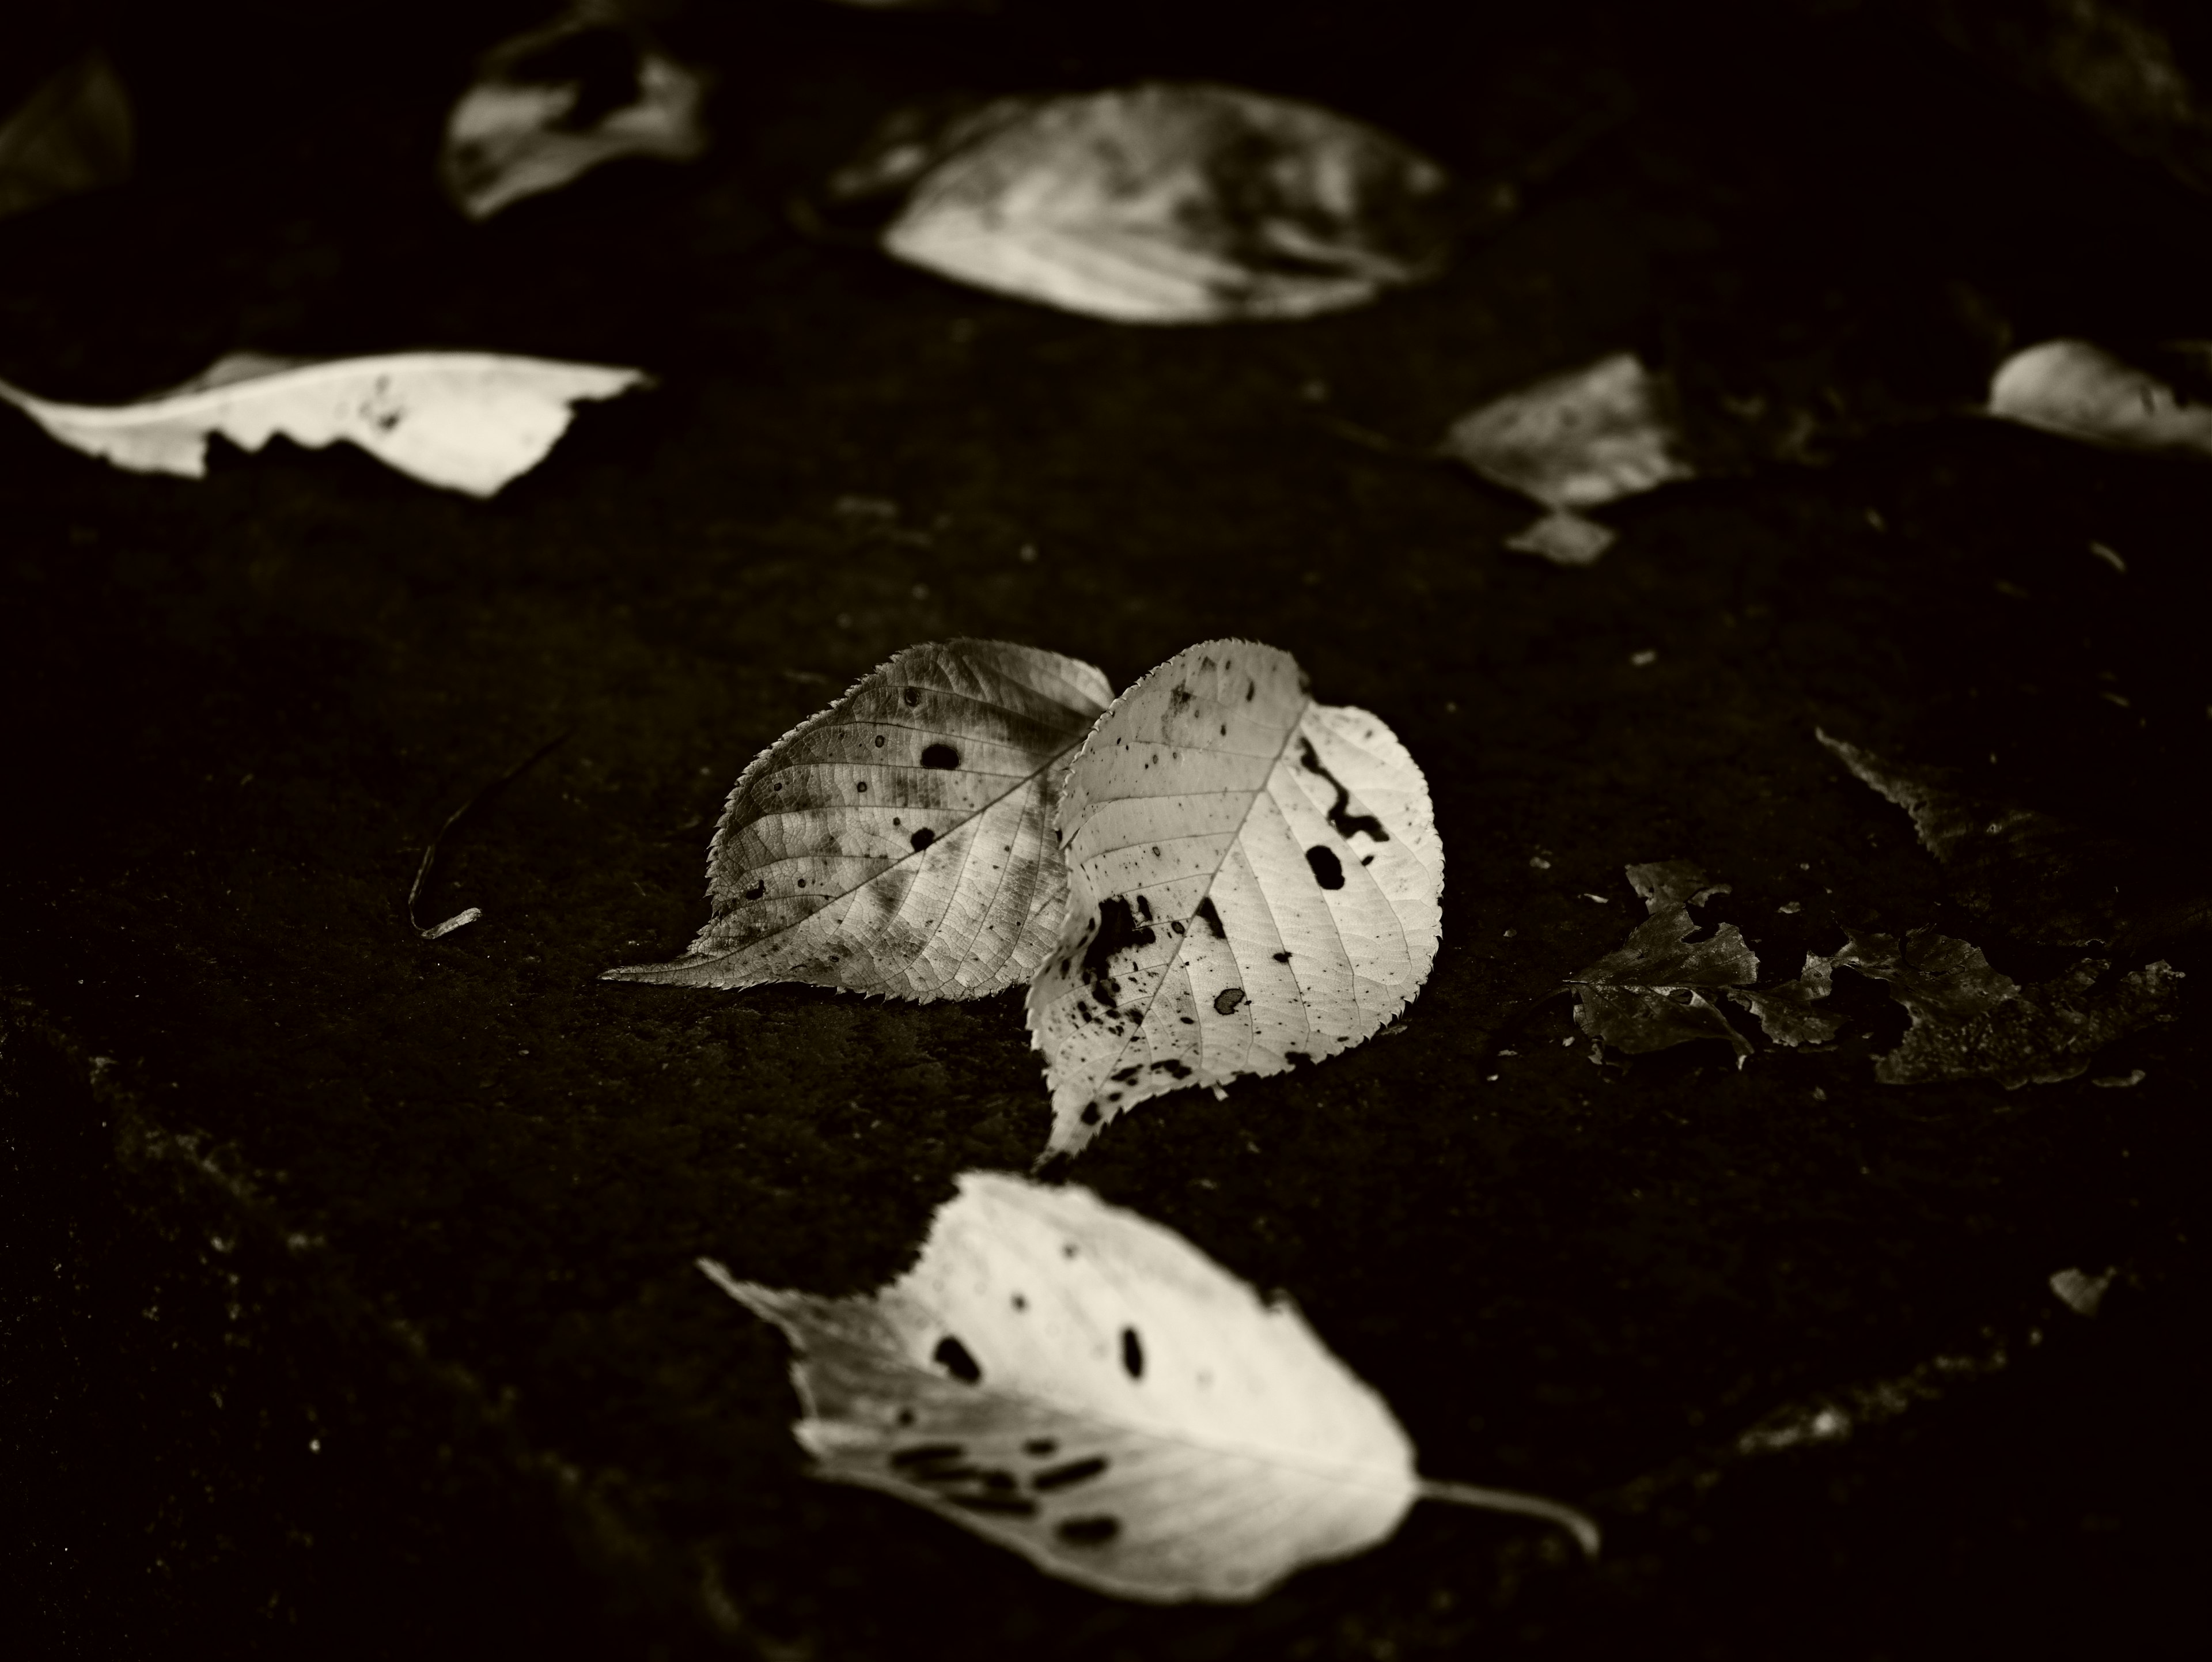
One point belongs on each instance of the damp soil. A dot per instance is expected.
(354, 1309)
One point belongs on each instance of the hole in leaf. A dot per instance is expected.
(1075, 1471)
(1133, 1353)
(953, 1356)
(940, 756)
(1088, 1532)
(1327, 869)
(922, 838)
(1227, 999)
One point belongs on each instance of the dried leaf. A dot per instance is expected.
(1785, 1012)
(1253, 881)
(2031, 873)
(1083, 1385)
(2080, 391)
(470, 422)
(73, 134)
(550, 105)
(1168, 204)
(900, 842)
(1970, 1021)
(1655, 991)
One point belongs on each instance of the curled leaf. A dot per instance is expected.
(2080, 391)
(900, 842)
(1657, 989)
(551, 105)
(73, 134)
(1079, 1384)
(1253, 881)
(1971, 1021)
(470, 422)
(1166, 203)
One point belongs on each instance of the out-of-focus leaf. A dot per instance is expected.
(550, 105)
(900, 842)
(1970, 1021)
(1164, 203)
(1083, 1385)
(2080, 391)
(2035, 875)
(470, 422)
(72, 134)
(1253, 882)
(1657, 989)
(1786, 1011)
(1573, 442)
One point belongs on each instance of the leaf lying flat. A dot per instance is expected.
(1174, 204)
(1081, 1384)
(2080, 391)
(1786, 1012)
(72, 134)
(1253, 882)
(1656, 990)
(470, 422)
(900, 842)
(550, 105)
(2031, 873)
(1970, 1021)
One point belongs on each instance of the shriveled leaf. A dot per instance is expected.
(900, 842)
(1253, 881)
(1971, 1021)
(73, 134)
(1786, 1011)
(550, 105)
(1657, 990)
(1166, 203)
(470, 422)
(2080, 391)
(1084, 1387)
(2038, 876)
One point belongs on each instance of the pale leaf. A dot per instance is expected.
(2080, 391)
(1657, 989)
(73, 133)
(1084, 1387)
(1578, 439)
(900, 842)
(468, 421)
(1253, 881)
(550, 105)
(1176, 204)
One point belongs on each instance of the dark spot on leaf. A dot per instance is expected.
(1250, 687)
(922, 838)
(758, 889)
(1042, 1447)
(879, 741)
(1117, 932)
(1212, 918)
(1227, 999)
(1367, 860)
(862, 786)
(913, 696)
(1067, 1249)
(1283, 957)
(1088, 1532)
(1090, 1117)
(1145, 909)
(1020, 1303)
(1015, 1506)
(1075, 1471)
(953, 1356)
(940, 756)
(999, 1480)
(1177, 927)
(930, 1454)
(1328, 871)
(1224, 729)
(1171, 1067)
(1127, 1076)
(906, 1416)
(1179, 696)
(1344, 822)
(1133, 1353)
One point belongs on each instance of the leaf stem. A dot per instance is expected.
(430, 853)
(1576, 1524)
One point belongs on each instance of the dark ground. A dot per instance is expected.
(352, 1308)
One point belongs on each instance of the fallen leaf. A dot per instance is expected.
(73, 134)
(1656, 990)
(2080, 391)
(1084, 1387)
(1253, 881)
(2080, 1292)
(1575, 440)
(2033, 874)
(552, 104)
(1971, 1021)
(470, 422)
(1163, 202)
(900, 842)
(1785, 1012)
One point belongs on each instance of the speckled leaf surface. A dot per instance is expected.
(1173, 202)
(470, 422)
(1657, 989)
(1254, 881)
(900, 841)
(1081, 1384)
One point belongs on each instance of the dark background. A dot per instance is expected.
(350, 1309)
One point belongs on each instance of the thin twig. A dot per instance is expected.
(1576, 1523)
(430, 853)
